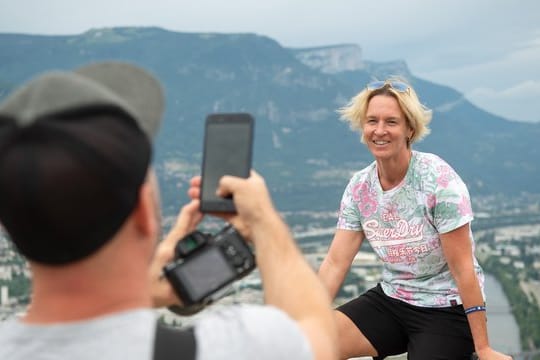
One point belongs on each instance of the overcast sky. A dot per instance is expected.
(487, 49)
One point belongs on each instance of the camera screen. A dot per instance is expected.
(204, 273)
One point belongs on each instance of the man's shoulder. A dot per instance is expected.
(250, 331)
(81, 339)
(6, 327)
(245, 313)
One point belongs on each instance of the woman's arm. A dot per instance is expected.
(337, 262)
(457, 249)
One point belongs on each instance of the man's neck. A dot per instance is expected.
(77, 308)
(78, 293)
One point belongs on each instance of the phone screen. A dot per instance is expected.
(227, 151)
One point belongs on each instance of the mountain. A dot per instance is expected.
(302, 148)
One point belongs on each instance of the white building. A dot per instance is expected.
(4, 296)
(5, 273)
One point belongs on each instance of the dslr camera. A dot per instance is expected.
(206, 263)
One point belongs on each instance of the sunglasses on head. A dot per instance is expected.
(396, 85)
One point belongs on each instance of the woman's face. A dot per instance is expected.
(386, 130)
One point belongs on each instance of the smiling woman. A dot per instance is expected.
(415, 211)
(408, 108)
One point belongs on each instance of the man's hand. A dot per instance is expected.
(186, 222)
(288, 280)
(250, 196)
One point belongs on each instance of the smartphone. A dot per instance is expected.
(227, 150)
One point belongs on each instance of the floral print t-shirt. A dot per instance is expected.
(403, 225)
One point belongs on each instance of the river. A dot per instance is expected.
(502, 326)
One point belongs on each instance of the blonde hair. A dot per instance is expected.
(417, 115)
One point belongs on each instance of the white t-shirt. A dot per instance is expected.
(237, 332)
(403, 226)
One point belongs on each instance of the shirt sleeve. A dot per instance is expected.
(348, 215)
(453, 204)
(250, 332)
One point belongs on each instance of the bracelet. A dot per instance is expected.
(474, 309)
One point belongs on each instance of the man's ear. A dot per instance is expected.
(145, 214)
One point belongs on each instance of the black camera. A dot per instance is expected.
(205, 264)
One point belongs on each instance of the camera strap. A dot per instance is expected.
(172, 343)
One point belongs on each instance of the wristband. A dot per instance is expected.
(474, 309)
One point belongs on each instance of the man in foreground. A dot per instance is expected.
(81, 203)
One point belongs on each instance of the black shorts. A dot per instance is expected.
(394, 327)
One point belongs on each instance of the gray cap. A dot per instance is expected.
(75, 147)
(117, 84)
